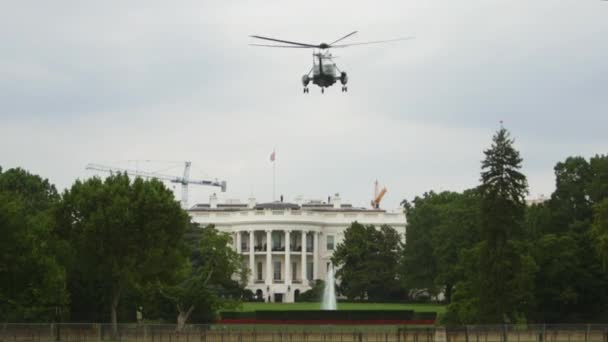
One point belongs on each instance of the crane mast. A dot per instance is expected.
(185, 180)
(378, 195)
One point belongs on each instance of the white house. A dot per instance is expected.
(280, 270)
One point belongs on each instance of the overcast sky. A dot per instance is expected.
(111, 81)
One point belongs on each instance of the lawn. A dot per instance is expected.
(344, 306)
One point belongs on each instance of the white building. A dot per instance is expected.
(280, 270)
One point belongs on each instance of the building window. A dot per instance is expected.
(292, 242)
(294, 272)
(330, 242)
(309, 271)
(260, 271)
(309, 242)
(276, 241)
(277, 270)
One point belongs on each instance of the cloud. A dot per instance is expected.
(114, 81)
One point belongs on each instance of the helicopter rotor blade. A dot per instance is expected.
(348, 35)
(372, 42)
(286, 41)
(282, 46)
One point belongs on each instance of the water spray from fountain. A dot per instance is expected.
(329, 293)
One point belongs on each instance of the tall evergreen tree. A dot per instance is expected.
(505, 268)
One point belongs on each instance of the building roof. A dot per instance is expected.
(277, 206)
(324, 207)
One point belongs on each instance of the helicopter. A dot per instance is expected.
(324, 72)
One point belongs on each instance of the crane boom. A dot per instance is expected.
(184, 181)
(378, 195)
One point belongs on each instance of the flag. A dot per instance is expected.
(272, 156)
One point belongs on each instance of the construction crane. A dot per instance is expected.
(378, 195)
(184, 180)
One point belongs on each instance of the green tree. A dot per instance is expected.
(570, 205)
(367, 262)
(537, 221)
(440, 225)
(458, 230)
(208, 285)
(36, 193)
(600, 231)
(315, 294)
(498, 282)
(126, 234)
(505, 266)
(419, 265)
(570, 281)
(566, 288)
(32, 278)
(598, 184)
(465, 305)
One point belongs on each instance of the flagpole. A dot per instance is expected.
(274, 163)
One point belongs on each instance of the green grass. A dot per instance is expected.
(440, 309)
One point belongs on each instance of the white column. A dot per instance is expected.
(315, 257)
(268, 279)
(287, 258)
(251, 257)
(238, 242)
(303, 268)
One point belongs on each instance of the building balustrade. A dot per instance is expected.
(260, 248)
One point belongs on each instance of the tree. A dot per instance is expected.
(419, 266)
(32, 278)
(598, 184)
(570, 280)
(36, 193)
(499, 271)
(464, 307)
(505, 266)
(315, 294)
(440, 225)
(566, 287)
(367, 262)
(126, 234)
(570, 205)
(458, 230)
(208, 284)
(600, 231)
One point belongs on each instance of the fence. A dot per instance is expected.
(299, 333)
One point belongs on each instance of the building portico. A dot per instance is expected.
(287, 246)
(273, 262)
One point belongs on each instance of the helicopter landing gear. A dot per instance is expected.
(344, 89)
(305, 90)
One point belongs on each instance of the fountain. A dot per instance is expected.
(329, 293)
(329, 314)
